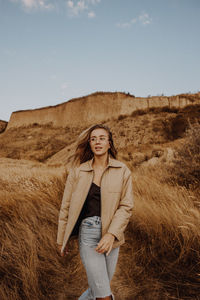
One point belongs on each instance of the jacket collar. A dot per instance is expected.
(112, 162)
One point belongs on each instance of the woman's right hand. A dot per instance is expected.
(65, 252)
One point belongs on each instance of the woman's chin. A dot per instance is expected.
(99, 153)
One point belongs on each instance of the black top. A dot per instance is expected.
(91, 207)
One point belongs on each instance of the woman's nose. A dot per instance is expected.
(97, 141)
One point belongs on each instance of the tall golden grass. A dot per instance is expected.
(159, 261)
(30, 266)
(164, 240)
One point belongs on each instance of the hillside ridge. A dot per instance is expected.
(76, 99)
(95, 108)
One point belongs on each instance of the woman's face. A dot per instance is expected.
(99, 142)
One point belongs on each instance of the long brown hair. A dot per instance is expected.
(83, 151)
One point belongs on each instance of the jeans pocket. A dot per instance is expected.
(90, 236)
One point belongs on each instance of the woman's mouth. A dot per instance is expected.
(98, 148)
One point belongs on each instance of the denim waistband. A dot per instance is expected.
(96, 219)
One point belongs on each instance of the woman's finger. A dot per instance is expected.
(99, 245)
(110, 248)
(100, 248)
(103, 248)
(66, 250)
(102, 245)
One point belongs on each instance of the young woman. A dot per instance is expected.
(96, 206)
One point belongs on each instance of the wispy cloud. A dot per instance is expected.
(75, 8)
(94, 1)
(91, 15)
(143, 19)
(35, 4)
(64, 86)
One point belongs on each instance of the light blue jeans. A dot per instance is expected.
(99, 267)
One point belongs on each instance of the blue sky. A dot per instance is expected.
(52, 51)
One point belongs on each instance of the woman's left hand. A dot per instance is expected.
(105, 244)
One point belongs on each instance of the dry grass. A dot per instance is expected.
(163, 240)
(154, 126)
(159, 261)
(186, 166)
(30, 266)
(35, 142)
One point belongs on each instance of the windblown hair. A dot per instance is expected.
(83, 151)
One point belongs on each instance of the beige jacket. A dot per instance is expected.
(116, 199)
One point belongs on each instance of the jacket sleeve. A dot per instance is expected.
(63, 214)
(124, 211)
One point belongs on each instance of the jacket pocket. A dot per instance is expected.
(115, 182)
(114, 188)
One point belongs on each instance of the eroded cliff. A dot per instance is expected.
(96, 108)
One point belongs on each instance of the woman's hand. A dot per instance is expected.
(105, 244)
(65, 252)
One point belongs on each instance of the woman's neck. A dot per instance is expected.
(100, 162)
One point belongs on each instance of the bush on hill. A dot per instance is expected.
(186, 165)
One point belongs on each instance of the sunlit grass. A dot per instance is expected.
(159, 261)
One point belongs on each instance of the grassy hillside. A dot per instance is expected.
(35, 142)
(143, 131)
(160, 259)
